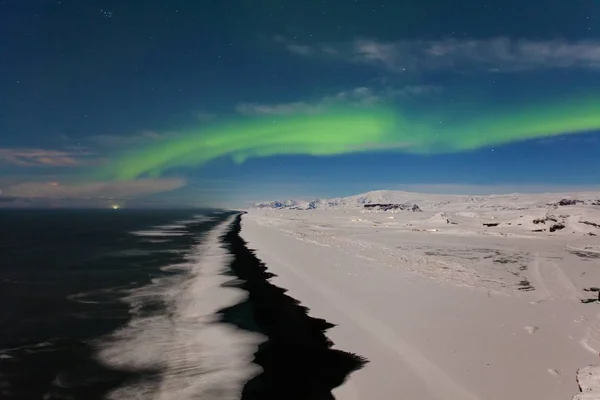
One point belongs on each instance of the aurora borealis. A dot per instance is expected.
(328, 134)
(182, 101)
(354, 131)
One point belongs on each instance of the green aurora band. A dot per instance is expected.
(354, 130)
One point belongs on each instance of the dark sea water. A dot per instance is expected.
(152, 305)
(63, 275)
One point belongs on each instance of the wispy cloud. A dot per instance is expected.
(92, 190)
(300, 49)
(119, 141)
(304, 50)
(359, 97)
(205, 116)
(34, 157)
(497, 189)
(298, 107)
(499, 54)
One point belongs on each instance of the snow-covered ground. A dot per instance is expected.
(467, 297)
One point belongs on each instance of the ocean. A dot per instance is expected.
(151, 304)
(64, 280)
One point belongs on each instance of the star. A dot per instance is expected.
(106, 13)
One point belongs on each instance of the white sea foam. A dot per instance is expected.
(158, 233)
(198, 357)
(29, 348)
(155, 240)
(180, 225)
(178, 228)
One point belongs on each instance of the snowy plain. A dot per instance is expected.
(459, 298)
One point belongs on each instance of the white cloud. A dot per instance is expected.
(35, 157)
(119, 141)
(500, 188)
(294, 47)
(205, 116)
(299, 49)
(358, 97)
(298, 107)
(116, 190)
(499, 54)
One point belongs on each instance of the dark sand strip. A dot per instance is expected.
(297, 359)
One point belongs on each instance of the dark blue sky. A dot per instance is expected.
(83, 80)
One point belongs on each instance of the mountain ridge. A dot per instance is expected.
(408, 200)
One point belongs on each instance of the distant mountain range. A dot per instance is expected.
(387, 200)
(379, 200)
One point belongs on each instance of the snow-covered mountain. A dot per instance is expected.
(406, 201)
(378, 199)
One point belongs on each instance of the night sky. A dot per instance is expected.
(181, 102)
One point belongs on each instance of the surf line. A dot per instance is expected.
(297, 359)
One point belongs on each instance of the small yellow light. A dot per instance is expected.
(115, 207)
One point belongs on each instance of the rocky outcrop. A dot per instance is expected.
(277, 205)
(595, 225)
(588, 379)
(544, 220)
(557, 227)
(568, 202)
(273, 205)
(390, 207)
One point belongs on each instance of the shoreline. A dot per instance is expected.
(297, 358)
(191, 353)
(71, 291)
